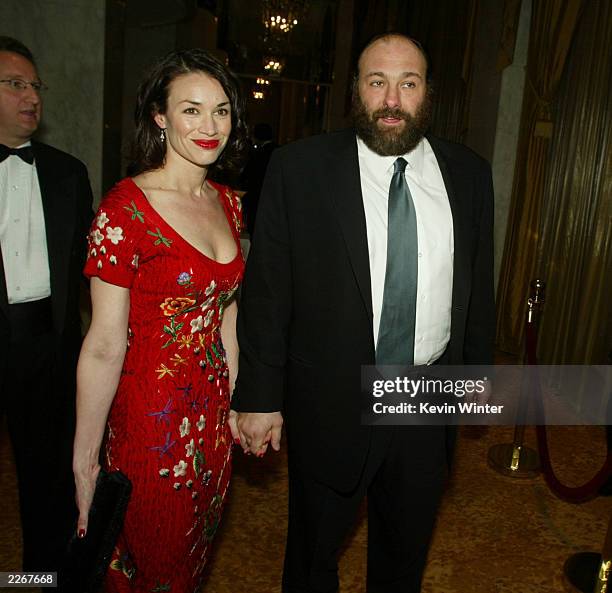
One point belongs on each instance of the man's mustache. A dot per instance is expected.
(395, 112)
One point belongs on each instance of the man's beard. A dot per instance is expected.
(391, 142)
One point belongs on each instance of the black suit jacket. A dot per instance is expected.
(305, 317)
(67, 205)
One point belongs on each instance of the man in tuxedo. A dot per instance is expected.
(373, 245)
(45, 209)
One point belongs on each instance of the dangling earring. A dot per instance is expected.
(162, 135)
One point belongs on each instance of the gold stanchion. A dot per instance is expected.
(588, 572)
(515, 459)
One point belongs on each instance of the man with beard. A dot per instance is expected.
(373, 245)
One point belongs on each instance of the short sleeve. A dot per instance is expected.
(113, 241)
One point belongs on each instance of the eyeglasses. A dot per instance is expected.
(19, 85)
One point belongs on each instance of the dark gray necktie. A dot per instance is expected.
(398, 316)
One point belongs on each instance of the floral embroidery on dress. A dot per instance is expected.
(102, 220)
(185, 427)
(210, 288)
(123, 563)
(180, 469)
(163, 415)
(184, 279)
(177, 359)
(165, 448)
(114, 235)
(207, 303)
(160, 238)
(186, 341)
(96, 236)
(197, 324)
(163, 370)
(133, 210)
(176, 306)
(104, 233)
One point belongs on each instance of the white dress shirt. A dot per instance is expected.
(435, 242)
(22, 232)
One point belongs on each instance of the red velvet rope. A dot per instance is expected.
(570, 494)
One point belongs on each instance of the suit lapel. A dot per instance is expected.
(345, 184)
(58, 229)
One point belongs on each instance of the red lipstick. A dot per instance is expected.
(207, 144)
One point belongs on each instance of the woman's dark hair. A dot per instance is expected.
(148, 151)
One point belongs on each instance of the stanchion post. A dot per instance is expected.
(515, 459)
(588, 572)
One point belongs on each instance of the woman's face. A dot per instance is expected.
(198, 119)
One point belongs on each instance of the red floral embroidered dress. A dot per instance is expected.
(167, 426)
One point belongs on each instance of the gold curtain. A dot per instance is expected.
(552, 27)
(507, 44)
(575, 256)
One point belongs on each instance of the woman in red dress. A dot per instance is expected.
(160, 357)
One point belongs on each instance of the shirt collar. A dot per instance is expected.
(383, 165)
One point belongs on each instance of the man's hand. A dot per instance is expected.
(232, 422)
(257, 430)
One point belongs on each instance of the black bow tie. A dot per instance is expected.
(26, 153)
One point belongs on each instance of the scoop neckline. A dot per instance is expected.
(165, 223)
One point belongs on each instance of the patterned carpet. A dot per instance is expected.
(494, 534)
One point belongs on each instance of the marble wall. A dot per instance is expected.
(67, 40)
(506, 137)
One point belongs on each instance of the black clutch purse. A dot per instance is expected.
(87, 558)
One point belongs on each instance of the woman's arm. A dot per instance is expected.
(98, 373)
(230, 344)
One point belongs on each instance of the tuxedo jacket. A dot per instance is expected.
(67, 206)
(305, 316)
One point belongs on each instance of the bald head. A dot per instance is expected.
(394, 43)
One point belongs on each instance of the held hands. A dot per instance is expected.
(257, 430)
(85, 476)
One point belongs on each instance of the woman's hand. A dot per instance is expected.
(85, 476)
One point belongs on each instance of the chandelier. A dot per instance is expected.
(273, 65)
(259, 91)
(280, 16)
